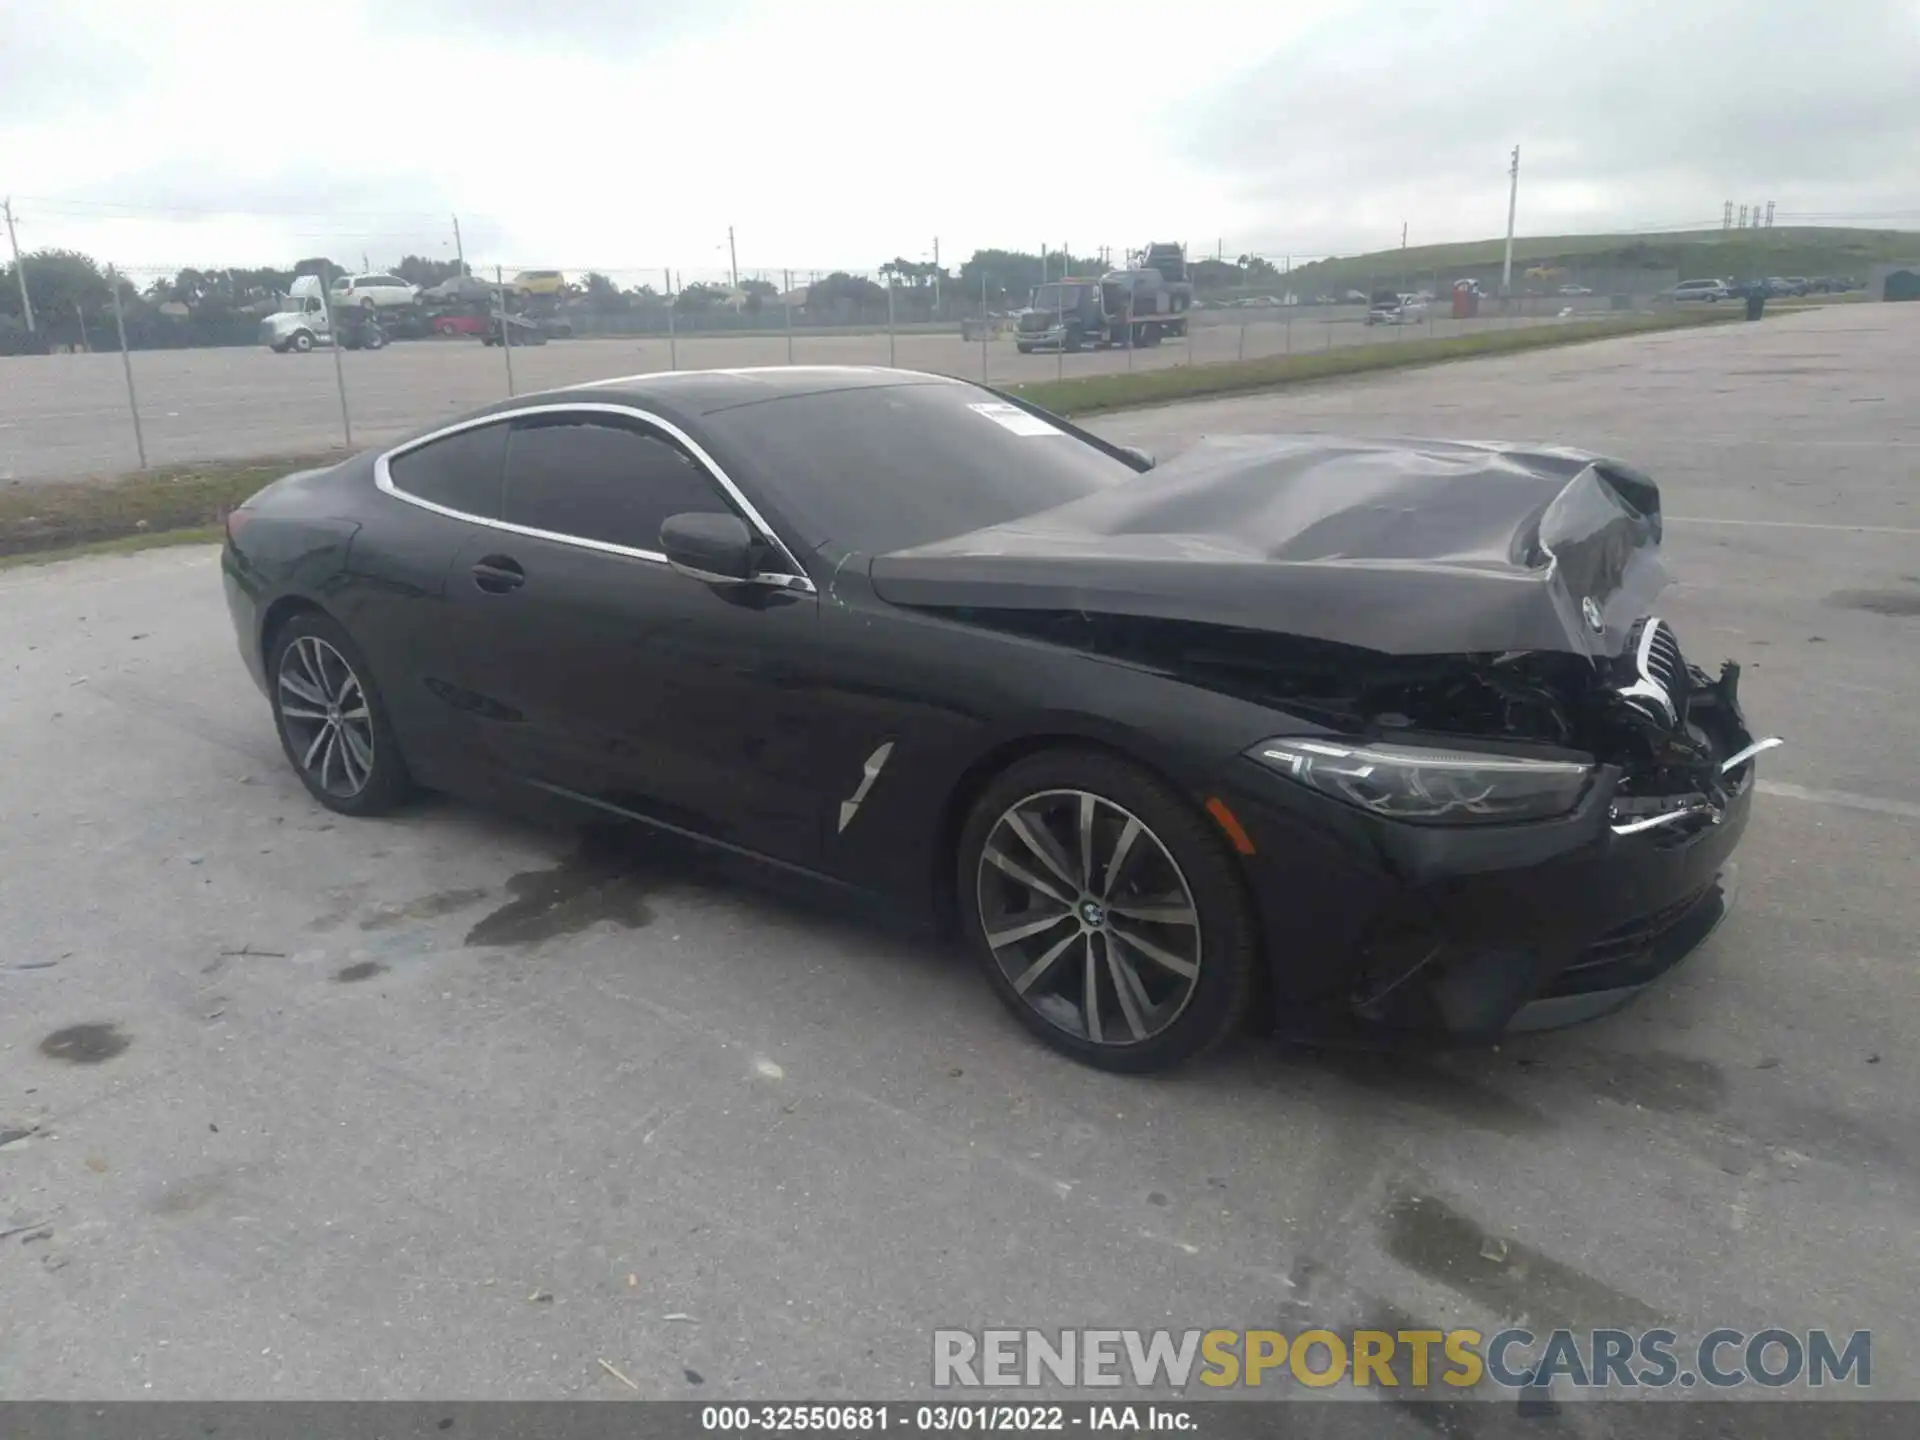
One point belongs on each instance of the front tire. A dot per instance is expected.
(332, 721)
(302, 342)
(1107, 913)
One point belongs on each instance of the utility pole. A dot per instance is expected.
(1403, 255)
(733, 258)
(936, 273)
(19, 270)
(1513, 202)
(1769, 214)
(459, 250)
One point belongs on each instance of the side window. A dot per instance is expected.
(463, 471)
(596, 479)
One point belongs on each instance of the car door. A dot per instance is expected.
(613, 678)
(438, 492)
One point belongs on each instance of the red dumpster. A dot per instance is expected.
(1466, 301)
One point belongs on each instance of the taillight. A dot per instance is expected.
(237, 519)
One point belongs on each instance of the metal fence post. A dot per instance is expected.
(983, 324)
(1243, 339)
(786, 303)
(1289, 334)
(500, 309)
(126, 361)
(332, 314)
(673, 343)
(891, 355)
(1060, 320)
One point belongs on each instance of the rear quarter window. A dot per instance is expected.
(465, 471)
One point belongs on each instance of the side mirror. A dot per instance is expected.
(716, 549)
(1146, 459)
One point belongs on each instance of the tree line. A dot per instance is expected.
(73, 295)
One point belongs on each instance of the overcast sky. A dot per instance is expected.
(627, 135)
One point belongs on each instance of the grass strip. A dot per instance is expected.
(185, 502)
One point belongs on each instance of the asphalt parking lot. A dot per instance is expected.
(67, 415)
(442, 1105)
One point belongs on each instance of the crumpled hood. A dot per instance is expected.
(1404, 547)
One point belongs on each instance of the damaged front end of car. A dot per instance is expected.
(1506, 798)
(1559, 830)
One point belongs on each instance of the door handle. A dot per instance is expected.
(497, 574)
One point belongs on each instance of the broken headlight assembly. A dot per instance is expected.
(1433, 786)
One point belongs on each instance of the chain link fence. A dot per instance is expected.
(139, 368)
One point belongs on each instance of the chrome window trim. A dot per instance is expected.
(794, 578)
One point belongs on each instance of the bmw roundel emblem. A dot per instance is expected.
(1590, 608)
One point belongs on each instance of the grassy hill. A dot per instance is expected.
(1784, 250)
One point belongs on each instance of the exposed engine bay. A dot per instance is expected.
(1669, 727)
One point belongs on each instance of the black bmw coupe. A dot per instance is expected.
(1371, 739)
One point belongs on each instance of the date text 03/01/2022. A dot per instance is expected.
(941, 1419)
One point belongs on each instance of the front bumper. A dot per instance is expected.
(1378, 931)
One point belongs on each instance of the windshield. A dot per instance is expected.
(888, 467)
(1057, 297)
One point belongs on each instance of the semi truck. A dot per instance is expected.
(308, 320)
(1141, 305)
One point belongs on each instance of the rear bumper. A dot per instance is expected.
(244, 609)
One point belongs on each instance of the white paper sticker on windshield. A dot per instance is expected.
(1012, 417)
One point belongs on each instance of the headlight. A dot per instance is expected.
(1411, 782)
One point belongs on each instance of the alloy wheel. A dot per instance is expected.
(1089, 917)
(328, 722)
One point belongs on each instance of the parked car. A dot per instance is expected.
(540, 282)
(467, 320)
(1377, 735)
(1396, 310)
(372, 292)
(1575, 290)
(1798, 285)
(463, 289)
(1709, 290)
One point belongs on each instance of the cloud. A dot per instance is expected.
(55, 61)
(587, 27)
(628, 136)
(1623, 113)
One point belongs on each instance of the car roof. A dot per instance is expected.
(702, 392)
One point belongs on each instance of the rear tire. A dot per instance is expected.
(1164, 991)
(332, 720)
